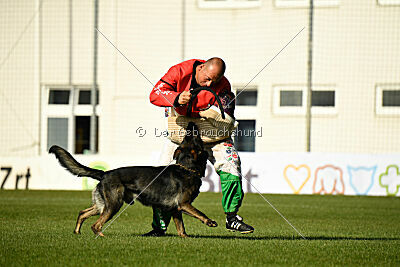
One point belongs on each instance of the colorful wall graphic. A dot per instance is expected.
(276, 173)
(328, 180)
(297, 177)
(361, 178)
(390, 180)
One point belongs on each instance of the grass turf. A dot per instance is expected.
(36, 229)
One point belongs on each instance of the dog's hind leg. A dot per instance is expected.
(83, 215)
(180, 227)
(192, 211)
(104, 217)
(113, 202)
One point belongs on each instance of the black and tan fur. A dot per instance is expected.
(174, 189)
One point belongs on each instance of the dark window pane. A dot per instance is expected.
(291, 98)
(60, 97)
(246, 98)
(85, 97)
(245, 136)
(57, 132)
(82, 134)
(323, 98)
(391, 98)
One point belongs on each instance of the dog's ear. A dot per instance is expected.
(177, 152)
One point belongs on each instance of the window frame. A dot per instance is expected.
(305, 3)
(82, 109)
(255, 137)
(239, 89)
(379, 108)
(277, 109)
(243, 112)
(234, 4)
(388, 2)
(68, 111)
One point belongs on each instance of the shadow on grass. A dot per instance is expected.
(331, 238)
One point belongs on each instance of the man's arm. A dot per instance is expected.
(225, 87)
(165, 92)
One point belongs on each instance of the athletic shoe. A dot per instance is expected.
(236, 223)
(155, 232)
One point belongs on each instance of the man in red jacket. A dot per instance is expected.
(173, 92)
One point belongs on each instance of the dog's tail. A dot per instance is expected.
(67, 161)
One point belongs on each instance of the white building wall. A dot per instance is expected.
(150, 38)
(19, 94)
(356, 47)
(55, 42)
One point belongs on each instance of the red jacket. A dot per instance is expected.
(178, 79)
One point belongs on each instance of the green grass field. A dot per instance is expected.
(36, 229)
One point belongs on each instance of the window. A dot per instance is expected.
(388, 100)
(57, 132)
(391, 98)
(82, 134)
(292, 100)
(66, 117)
(245, 136)
(229, 3)
(306, 3)
(323, 98)
(246, 114)
(389, 2)
(246, 102)
(246, 97)
(85, 97)
(59, 97)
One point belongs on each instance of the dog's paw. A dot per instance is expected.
(184, 235)
(97, 232)
(77, 232)
(100, 234)
(211, 223)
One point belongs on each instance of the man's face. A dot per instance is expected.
(207, 75)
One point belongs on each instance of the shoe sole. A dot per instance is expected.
(243, 232)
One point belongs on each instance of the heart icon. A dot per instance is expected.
(297, 177)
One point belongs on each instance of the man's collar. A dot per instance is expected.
(194, 83)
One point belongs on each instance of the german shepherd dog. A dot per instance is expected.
(171, 188)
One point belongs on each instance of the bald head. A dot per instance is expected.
(210, 72)
(218, 64)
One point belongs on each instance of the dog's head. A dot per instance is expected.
(190, 152)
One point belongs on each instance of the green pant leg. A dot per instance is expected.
(161, 219)
(232, 192)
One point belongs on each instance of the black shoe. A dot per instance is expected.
(236, 223)
(155, 232)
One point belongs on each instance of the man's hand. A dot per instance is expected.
(184, 98)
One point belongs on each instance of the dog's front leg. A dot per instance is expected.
(180, 227)
(192, 211)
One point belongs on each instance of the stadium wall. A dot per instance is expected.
(277, 173)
